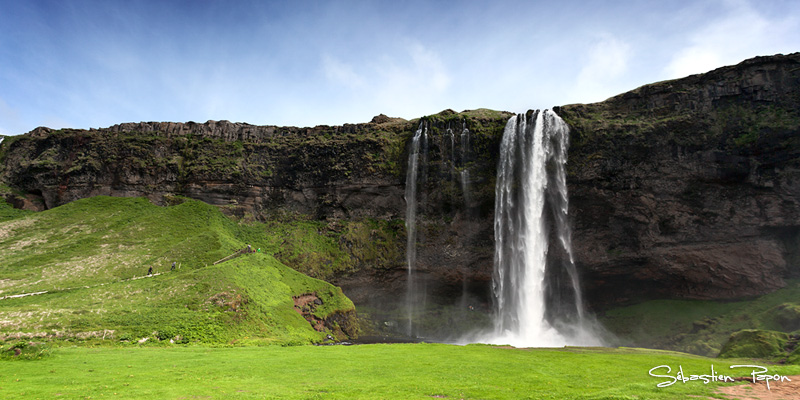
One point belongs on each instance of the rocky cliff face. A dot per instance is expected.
(683, 189)
(349, 180)
(690, 188)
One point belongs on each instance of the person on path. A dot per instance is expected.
(150, 270)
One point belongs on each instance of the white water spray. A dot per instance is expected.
(532, 156)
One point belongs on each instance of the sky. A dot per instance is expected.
(92, 64)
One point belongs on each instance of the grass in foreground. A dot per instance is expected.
(398, 371)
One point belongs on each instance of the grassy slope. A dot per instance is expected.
(700, 327)
(8, 212)
(86, 252)
(348, 372)
(322, 249)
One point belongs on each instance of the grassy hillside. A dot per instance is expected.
(703, 327)
(91, 257)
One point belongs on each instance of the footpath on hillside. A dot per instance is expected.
(239, 253)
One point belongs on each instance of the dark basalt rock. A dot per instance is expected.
(689, 188)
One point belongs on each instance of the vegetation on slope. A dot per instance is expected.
(754, 115)
(322, 249)
(703, 327)
(91, 257)
(6, 210)
(755, 343)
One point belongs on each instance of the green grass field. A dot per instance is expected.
(396, 371)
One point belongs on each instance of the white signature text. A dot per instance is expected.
(758, 373)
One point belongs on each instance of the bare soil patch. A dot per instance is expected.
(758, 391)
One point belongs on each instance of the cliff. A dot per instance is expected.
(689, 188)
(334, 194)
(680, 189)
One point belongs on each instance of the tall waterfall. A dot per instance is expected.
(412, 291)
(464, 175)
(531, 206)
(451, 138)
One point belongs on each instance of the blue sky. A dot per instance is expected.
(82, 64)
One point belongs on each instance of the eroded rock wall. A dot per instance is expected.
(690, 188)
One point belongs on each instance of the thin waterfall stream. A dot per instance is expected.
(464, 174)
(419, 140)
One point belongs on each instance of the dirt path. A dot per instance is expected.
(759, 391)
(14, 296)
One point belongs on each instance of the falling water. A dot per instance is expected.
(464, 175)
(451, 138)
(531, 179)
(411, 221)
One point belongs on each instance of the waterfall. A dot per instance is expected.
(452, 144)
(420, 136)
(452, 137)
(531, 180)
(464, 175)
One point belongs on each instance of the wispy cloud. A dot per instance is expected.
(406, 81)
(739, 32)
(428, 68)
(340, 73)
(605, 62)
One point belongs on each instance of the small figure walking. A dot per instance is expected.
(150, 270)
(173, 266)
(249, 249)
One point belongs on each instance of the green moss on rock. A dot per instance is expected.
(787, 315)
(755, 343)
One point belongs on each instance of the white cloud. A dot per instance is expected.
(340, 73)
(406, 82)
(740, 32)
(606, 62)
(429, 68)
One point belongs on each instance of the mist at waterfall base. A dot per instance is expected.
(535, 287)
